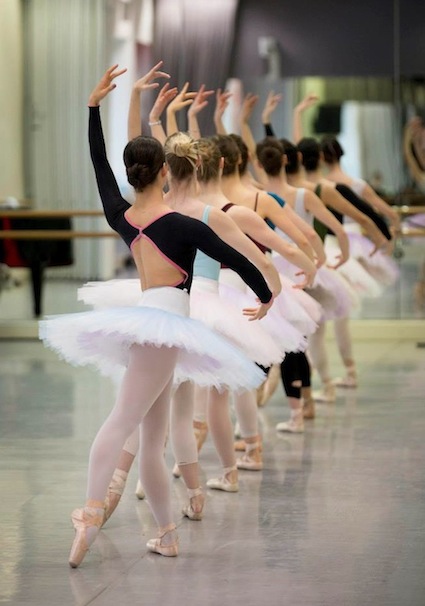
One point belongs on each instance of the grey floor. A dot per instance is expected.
(337, 516)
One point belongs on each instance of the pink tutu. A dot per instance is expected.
(353, 271)
(380, 266)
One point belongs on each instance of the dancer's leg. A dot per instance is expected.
(184, 447)
(291, 379)
(246, 410)
(345, 348)
(306, 393)
(221, 428)
(320, 361)
(148, 375)
(119, 477)
(200, 425)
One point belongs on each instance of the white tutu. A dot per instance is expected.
(288, 337)
(206, 305)
(223, 316)
(353, 271)
(103, 338)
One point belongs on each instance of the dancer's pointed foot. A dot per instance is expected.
(228, 482)
(87, 522)
(326, 394)
(194, 511)
(252, 460)
(167, 543)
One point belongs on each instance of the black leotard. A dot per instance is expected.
(176, 236)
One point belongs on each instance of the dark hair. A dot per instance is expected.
(292, 160)
(143, 159)
(229, 151)
(310, 150)
(270, 155)
(244, 153)
(210, 157)
(181, 154)
(332, 149)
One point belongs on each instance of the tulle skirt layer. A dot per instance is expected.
(353, 271)
(103, 338)
(224, 316)
(329, 291)
(289, 337)
(380, 266)
(206, 305)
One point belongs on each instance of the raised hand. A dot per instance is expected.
(248, 104)
(165, 96)
(200, 101)
(105, 85)
(146, 81)
(182, 99)
(308, 101)
(221, 103)
(272, 102)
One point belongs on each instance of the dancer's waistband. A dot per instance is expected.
(167, 298)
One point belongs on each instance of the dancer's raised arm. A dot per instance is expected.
(308, 101)
(146, 82)
(199, 103)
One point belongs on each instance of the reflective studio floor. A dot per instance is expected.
(337, 516)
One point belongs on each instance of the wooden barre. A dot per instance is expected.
(50, 234)
(409, 210)
(412, 231)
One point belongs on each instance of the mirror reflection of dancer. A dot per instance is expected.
(155, 341)
(334, 199)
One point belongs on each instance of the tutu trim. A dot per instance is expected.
(103, 338)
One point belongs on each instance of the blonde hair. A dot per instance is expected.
(181, 155)
(210, 157)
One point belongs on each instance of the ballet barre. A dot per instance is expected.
(48, 234)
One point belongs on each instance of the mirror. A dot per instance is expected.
(399, 93)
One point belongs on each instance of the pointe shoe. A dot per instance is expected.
(139, 492)
(188, 510)
(252, 460)
(200, 429)
(176, 471)
(224, 483)
(350, 379)
(115, 491)
(84, 519)
(327, 394)
(309, 409)
(294, 425)
(169, 550)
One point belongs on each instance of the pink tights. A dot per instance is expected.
(144, 397)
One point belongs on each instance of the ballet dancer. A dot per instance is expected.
(156, 342)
